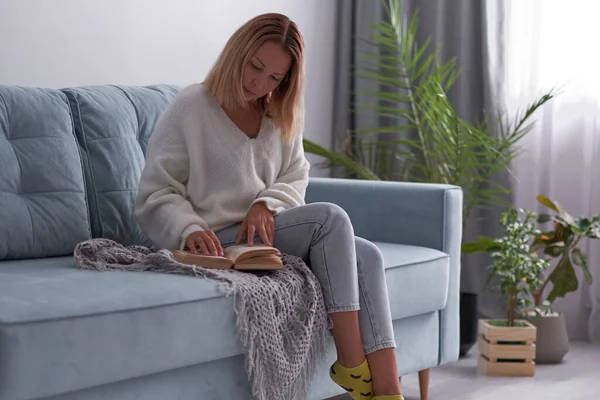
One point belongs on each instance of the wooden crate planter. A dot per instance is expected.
(506, 351)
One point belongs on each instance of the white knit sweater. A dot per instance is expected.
(202, 172)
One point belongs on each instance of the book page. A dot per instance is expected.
(236, 252)
(188, 257)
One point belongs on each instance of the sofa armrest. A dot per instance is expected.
(418, 214)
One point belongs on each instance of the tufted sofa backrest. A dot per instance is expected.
(70, 162)
(113, 125)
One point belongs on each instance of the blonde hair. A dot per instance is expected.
(284, 104)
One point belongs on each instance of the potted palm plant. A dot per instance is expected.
(507, 346)
(423, 139)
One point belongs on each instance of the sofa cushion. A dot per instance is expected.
(63, 329)
(418, 279)
(113, 125)
(42, 192)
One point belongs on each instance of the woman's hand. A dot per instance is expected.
(207, 241)
(258, 220)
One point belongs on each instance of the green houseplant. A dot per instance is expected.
(423, 139)
(518, 272)
(561, 244)
(518, 268)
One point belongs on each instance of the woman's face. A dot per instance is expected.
(265, 70)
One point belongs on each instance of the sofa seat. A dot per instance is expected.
(63, 329)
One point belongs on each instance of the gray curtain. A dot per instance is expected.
(461, 29)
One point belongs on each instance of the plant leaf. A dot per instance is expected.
(538, 244)
(339, 159)
(555, 249)
(564, 280)
(543, 218)
(580, 259)
(484, 244)
(547, 202)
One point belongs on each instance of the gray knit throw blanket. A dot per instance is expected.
(280, 315)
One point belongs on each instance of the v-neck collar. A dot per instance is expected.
(231, 123)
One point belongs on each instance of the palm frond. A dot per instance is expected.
(423, 139)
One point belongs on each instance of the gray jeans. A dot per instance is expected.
(349, 268)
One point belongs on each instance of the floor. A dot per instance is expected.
(576, 378)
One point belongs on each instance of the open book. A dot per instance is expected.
(240, 257)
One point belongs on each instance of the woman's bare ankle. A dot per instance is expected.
(346, 334)
(388, 390)
(386, 381)
(350, 360)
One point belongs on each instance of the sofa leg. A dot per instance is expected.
(424, 383)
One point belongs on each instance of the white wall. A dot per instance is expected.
(62, 43)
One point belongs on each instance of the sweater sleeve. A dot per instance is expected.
(289, 188)
(162, 209)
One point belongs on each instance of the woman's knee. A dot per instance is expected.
(369, 253)
(330, 212)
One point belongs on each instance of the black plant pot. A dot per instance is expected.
(468, 322)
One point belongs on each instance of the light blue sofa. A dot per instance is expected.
(70, 161)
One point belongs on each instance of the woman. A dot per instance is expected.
(226, 165)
